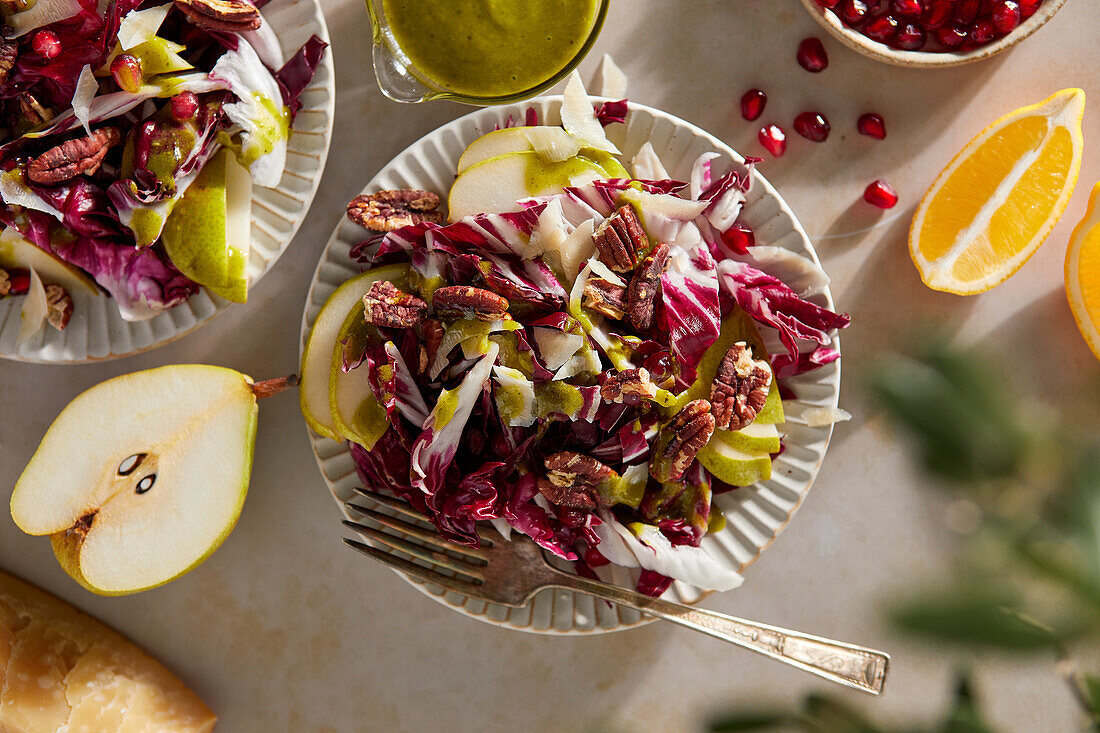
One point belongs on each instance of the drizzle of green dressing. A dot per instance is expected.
(511, 401)
(541, 175)
(445, 408)
(146, 224)
(489, 48)
(557, 398)
(272, 126)
(621, 490)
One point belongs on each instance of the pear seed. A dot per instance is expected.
(130, 465)
(146, 483)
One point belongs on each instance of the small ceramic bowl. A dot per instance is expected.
(855, 40)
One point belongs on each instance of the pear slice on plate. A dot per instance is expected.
(140, 478)
(495, 185)
(321, 343)
(355, 410)
(756, 437)
(735, 467)
(18, 252)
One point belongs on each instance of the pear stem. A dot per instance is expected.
(270, 387)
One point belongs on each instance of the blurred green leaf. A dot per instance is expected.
(959, 416)
(1092, 696)
(826, 714)
(965, 717)
(748, 721)
(974, 614)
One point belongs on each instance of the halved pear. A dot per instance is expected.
(18, 252)
(495, 185)
(141, 477)
(735, 467)
(321, 342)
(756, 437)
(356, 412)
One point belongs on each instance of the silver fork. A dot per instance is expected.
(512, 572)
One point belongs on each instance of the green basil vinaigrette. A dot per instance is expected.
(490, 48)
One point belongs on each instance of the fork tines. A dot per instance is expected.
(397, 534)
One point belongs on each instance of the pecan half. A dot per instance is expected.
(387, 211)
(619, 239)
(641, 293)
(432, 333)
(465, 301)
(32, 110)
(604, 296)
(73, 157)
(230, 16)
(682, 440)
(59, 306)
(740, 388)
(385, 305)
(573, 479)
(9, 52)
(622, 385)
(5, 282)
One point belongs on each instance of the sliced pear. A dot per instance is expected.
(317, 356)
(141, 477)
(735, 467)
(355, 410)
(493, 144)
(756, 437)
(17, 252)
(207, 235)
(495, 185)
(772, 411)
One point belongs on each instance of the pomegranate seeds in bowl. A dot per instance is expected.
(934, 26)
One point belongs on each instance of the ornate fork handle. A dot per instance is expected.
(853, 666)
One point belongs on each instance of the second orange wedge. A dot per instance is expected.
(1083, 273)
(995, 203)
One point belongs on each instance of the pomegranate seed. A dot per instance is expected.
(811, 55)
(812, 126)
(739, 238)
(1006, 16)
(881, 29)
(126, 70)
(872, 125)
(982, 32)
(752, 104)
(853, 12)
(773, 139)
(910, 37)
(938, 14)
(593, 558)
(828, 3)
(20, 281)
(877, 7)
(1028, 7)
(46, 44)
(966, 11)
(881, 194)
(951, 37)
(911, 8)
(184, 106)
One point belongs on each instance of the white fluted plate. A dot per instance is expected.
(756, 514)
(98, 332)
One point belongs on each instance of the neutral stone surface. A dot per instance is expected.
(284, 629)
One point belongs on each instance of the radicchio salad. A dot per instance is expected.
(131, 132)
(588, 366)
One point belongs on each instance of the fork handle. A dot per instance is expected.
(847, 664)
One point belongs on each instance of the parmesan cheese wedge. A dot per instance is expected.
(60, 669)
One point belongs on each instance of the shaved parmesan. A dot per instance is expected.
(43, 13)
(140, 25)
(647, 166)
(552, 143)
(86, 88)
(579, 119)
(556, 347)
(35, 310)
(610, 80)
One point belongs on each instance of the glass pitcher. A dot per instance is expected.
(400, 79)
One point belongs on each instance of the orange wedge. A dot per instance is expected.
(1083, 274)
(995, 203)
